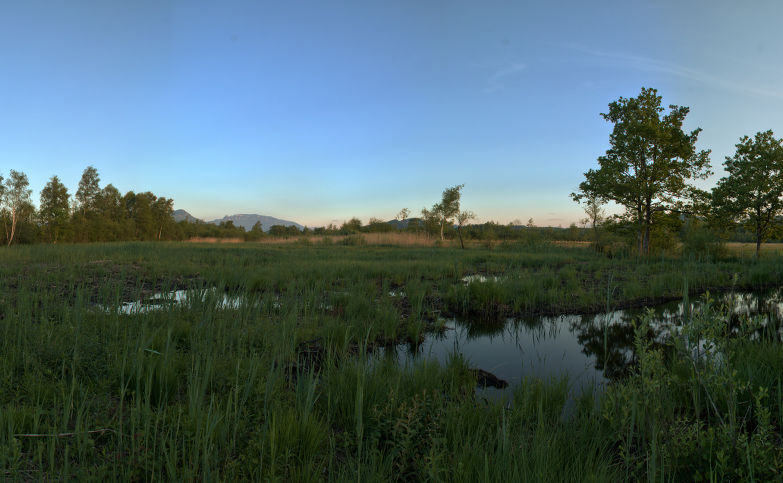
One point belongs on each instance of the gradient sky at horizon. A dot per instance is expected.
(320, 111)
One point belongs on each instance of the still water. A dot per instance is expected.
(589, 350)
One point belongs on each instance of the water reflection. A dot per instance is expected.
(588, 349)
(179, 298)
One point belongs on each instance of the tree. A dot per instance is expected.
(594, 209)
(16, 196)
(282, 231)
(87, 193)
(650, 160)
(354, 225)
(403, 214)
(55, 202)
(447, 209)
(162, 212)
(139, 210)
(376, 225)
(753, 188)
(463, 218)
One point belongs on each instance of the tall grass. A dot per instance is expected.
(214, 392)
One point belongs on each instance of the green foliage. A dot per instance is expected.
(696, 417)
(89, 188)
(55, 208)
(752, 191)
(408, 433)
(699, 241)
(650, 160)
(354, 225)
(446, 211)
(291, 383)
(15, 202)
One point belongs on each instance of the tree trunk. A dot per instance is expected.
(640, 235)
(647, 223)
(13, 226)
(442, 224)
(758, 240)
(459, 232)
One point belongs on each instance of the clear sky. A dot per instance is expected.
(320, 111)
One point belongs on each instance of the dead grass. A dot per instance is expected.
(211, 239)
(750, 248)
(572, 244)
(402, 239)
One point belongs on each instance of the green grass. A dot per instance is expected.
(203, 393)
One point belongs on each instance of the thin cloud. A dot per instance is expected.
(499, 78)
(655, 65)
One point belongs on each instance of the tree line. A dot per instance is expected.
(650, 168)
(103, 214)
(91, 214)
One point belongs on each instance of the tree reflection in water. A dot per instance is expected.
(599, 346)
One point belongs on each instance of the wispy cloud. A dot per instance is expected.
(499, 78)
(656, 65)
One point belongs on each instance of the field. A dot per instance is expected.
(273, 367)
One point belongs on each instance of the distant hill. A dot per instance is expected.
(244, 220)
(180, 215)
(402, 224)
(248, 221)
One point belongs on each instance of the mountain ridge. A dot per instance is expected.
(245, 220)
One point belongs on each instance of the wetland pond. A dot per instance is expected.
(588, 350)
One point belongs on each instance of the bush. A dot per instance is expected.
(353, 240)
(700, 242)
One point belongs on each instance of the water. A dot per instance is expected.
(179, 298)
(590, 350)
(544, 348)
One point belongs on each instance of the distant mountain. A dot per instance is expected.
(248, 221)
(180, 215)
(402, 224)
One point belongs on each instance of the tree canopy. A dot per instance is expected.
(448, 208)
(649, 162)
(751, 192)
(16, 200)
(54, 211)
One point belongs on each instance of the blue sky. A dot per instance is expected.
(320, 111)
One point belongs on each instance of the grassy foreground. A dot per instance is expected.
(288, 384)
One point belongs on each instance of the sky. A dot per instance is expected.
(320, 111)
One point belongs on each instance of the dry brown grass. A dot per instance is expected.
(402, 239)
(391, 238)
(572, 244)
(750, 248)
(211, 239)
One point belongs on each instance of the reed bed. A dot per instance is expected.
(275, 368)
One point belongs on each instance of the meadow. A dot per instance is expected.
(273, 368)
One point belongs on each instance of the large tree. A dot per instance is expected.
(650, 161)
(162, 212)
(752, 191)
(54, 209)
(16, 197)
(448, 208)
(89, 189)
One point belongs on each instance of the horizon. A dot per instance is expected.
(318, 113)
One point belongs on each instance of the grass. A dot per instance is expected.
(292, 384)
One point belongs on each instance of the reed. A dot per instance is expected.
(275, 367)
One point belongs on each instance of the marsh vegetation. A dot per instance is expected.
(292, 362)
